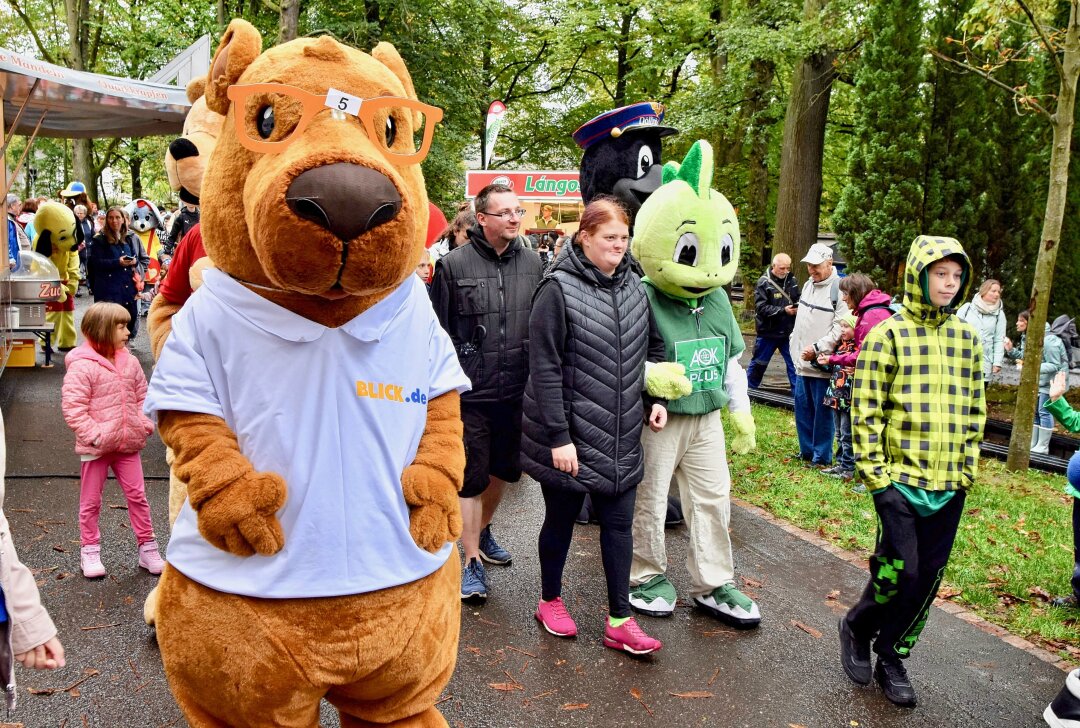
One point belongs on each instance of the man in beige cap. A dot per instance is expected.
(817, 329)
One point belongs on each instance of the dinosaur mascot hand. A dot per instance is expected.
(745, 438)
(666, 380)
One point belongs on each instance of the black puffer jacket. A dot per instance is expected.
(483, 301)
(589, 339)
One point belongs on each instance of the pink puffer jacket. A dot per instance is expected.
(103, 402)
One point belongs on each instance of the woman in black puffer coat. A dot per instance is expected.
(590, 332)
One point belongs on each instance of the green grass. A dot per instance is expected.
(1013, 549)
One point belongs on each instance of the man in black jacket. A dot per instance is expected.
(186, 218)
(482, 294)
(776, 301)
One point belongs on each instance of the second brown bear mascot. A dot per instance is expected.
(312, 402)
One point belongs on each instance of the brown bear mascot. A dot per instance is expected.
(312, 403)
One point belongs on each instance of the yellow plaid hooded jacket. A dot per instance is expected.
(917, 403)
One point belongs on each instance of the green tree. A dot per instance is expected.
(879, 211)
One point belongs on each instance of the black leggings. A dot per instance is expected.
(616, 516)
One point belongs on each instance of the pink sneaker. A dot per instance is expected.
(630, 637)
(90, 560)
(555, 618)
(150, 559)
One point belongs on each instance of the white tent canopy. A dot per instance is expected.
(77, 104)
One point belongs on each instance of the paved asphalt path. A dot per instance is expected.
(784, 674)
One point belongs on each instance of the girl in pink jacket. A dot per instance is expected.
(104, 389)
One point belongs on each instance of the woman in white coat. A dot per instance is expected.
(986, 314)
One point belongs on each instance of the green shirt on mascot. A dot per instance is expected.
(686, 237)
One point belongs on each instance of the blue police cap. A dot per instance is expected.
(635, 117)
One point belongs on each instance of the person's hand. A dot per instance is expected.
(995, 370)
(48, 656)
(1058, 385)
(565, 459)
(808, 353)
(823, 360)
(791, 310)
(1008, 344)
(657, 418)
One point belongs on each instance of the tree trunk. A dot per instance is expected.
(622, 65)
(222, 16)
(135, 162)
(290, 20)
(757, 216)
(1063, 121)
(799, 194)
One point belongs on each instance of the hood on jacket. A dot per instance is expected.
(873, 298)
(476, 237)
(85, 352)
(1064, 327)
(572, 259)
(925, 251)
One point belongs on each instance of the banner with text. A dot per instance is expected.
(529, 185)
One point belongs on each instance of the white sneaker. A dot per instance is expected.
(150, 559)
(90, 560)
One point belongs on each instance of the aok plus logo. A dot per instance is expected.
(389, 392)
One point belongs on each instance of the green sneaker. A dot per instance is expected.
(730, 605)
(656, 597)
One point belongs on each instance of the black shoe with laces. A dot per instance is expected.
(854, 655)
(893, 679)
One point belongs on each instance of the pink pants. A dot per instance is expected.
(128, 470)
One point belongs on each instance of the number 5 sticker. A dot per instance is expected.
(343, 102)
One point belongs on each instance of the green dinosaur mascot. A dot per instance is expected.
(55, 238)
(687, 240)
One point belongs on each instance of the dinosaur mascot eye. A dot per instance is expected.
(727, 247)
(686, 250)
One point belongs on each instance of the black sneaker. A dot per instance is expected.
(1067, 602)
(892, 677)
(854, 655)
(1064, 711)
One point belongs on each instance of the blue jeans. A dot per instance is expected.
(813, 420)
(764, 348)
(845, 454)
(1042, 417)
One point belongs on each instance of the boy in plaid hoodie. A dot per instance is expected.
(917, 419)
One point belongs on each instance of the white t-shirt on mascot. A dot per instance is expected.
(337, 412)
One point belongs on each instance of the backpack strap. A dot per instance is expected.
(834, 293)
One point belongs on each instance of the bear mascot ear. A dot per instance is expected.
(386, 54)
(196, 88)
(240, 45)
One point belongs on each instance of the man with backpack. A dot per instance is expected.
(817, 329)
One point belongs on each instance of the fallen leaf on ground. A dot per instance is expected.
(752, 583)
(692, 694)
(506, 687)
(948, 592)
(809, 630)
(637, 696)
(58, 547)
(575, 706)
(1038, 591)
(834, 594)
(119, 507)
(795, 725)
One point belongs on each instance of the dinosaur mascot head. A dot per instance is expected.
(186, 158)
(687, 235)
(621, 153)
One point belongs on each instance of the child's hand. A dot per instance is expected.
(823, 360)
(1058, 385)
(48, 656)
